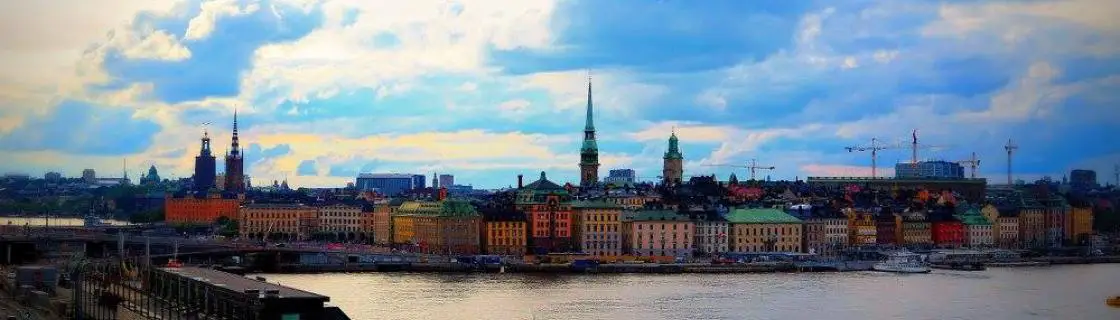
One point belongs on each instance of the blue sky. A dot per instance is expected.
(485, 90)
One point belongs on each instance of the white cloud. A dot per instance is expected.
(158, 45)
(514, 109)
(616, 94)
(850, 63)
(202, 25)
(885, 56)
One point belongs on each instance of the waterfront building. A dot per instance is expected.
(621, 177)
(1032, 226)
(1007, 228)
(505, 233)
(1078, 225)
(862, 229)
(916, 230)
(826, 235)
(235, 164)
(672, 171)
(548, 207)
(712, 234)
(972, 190)
(764, 230)
(589, 152)
(438, 227)
(929, 170)
(598, 228)
(947, 233)
(888, 229)
(205, 167)
(1056, 211)
(380, 224)
(977, 229)
(192, 210)
(658, 233)
(389, 184)
(340, 222)
(278, 221)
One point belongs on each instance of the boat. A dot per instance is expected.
(959, 266)
(1113, 302)
(902, 262)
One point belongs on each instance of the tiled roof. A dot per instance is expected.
(760, 216)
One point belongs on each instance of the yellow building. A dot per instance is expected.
(1078, 224)
(765, 230)
(598, 228)
(278, 221)
(444, 227)
(505, 232)
(340, 222)
(861, 227)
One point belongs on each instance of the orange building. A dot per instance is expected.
(278, 221)
(549, 210)
(504, 232)
(191, 210)
(379, 225)
(1078, 225)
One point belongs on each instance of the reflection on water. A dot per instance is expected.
(1058, 292)
(52, 221)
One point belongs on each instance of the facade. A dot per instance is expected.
(632, 202)
(548, 207)
(235, 164)
(191, 210)
(438, 227)
(862, 229)
(505, 232)
(446, 181)
(205, 167)
(278, 221)
(972, 190)
(1082, 179)
(341, 222)
(978, 230)
(380, 225)
(1032, 227)
(389, 184)
(712, 234)
(589, 152)
(929, 170)
(888, 229)
(1078, 225)
(621, 176)
(948, 233)
(814, 236)
(1055, 224)
(1007, 232)
(658, 233)
(764, 230)
(598, 228)
(672, 171)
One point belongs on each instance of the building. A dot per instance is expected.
(929, 170)
(89, 175)
(589, 152)
(1078, 225)
(972, 190)
(1032, 227)
(340, 222)
(439, 227)
(712, 234)
(658, 233)
(505, 232)
(152, 178)
(1007, 228)
(278, 221)
(379, 224)
(948, 233)
(52, 176)
(672, 171)
(1083, 179)
(888, 229)
(916, 230)
(548, 207)
(598, 228)
(205, 167)
(446, 181)
(192, 210)
(235, 164)
(632, 201)
(764, 230)
(978, 231)
(621, 177)
(1055, 215)
(862, 229)
(389, 184)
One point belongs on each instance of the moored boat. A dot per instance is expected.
(902, 262)
(1113, 302)
(959, 266)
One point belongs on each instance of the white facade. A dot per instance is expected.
(836, 232)
(711, 236)
(979, 235)
(340, 219)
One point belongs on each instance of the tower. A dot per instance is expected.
(204, 166)
(235, 164)
(589, 153)
(1010, 147)
(673, 168)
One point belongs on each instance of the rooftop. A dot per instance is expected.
(760, 216)
(445, 208)
(595, 204)
(240, 283)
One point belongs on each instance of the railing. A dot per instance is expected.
(130, 289)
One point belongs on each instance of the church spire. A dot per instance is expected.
(590, 127)
(236, 145)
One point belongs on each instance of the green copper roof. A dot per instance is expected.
(973, 217)
(589, 146)
(674, 151)
(595, 204)
(653, 215)
(760, 216)
(446, 208)
(590, 126)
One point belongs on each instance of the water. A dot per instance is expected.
(52, 221)
(1057, 292)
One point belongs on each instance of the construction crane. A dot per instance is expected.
(875, 147)
(1010, 147)
(752, 167)
(972, 163)
(914, 147)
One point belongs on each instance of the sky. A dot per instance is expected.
(486, 90)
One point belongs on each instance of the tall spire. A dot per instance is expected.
(589, 152)
(590, 109)
(236, 150)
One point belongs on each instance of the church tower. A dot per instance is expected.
(205, 171)
(673, 168)
(589, 153)
(235, 164)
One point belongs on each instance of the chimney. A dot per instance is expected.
(520, 181)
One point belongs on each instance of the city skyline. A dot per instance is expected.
(329, 89)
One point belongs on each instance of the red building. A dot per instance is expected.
(190, 210)
(947, 233)
(548, 207)
(887, 229)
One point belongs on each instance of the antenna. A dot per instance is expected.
(1010, 147)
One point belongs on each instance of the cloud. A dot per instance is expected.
(202, 25)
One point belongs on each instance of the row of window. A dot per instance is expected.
(642, 226)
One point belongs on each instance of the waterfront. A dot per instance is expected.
(52, 221)
(1057, 292)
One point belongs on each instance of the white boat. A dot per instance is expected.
(902, 262)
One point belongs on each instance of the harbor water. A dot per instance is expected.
(1052, 292)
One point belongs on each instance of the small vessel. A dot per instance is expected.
(959, 266)
(1113, 302)
(902, 262)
